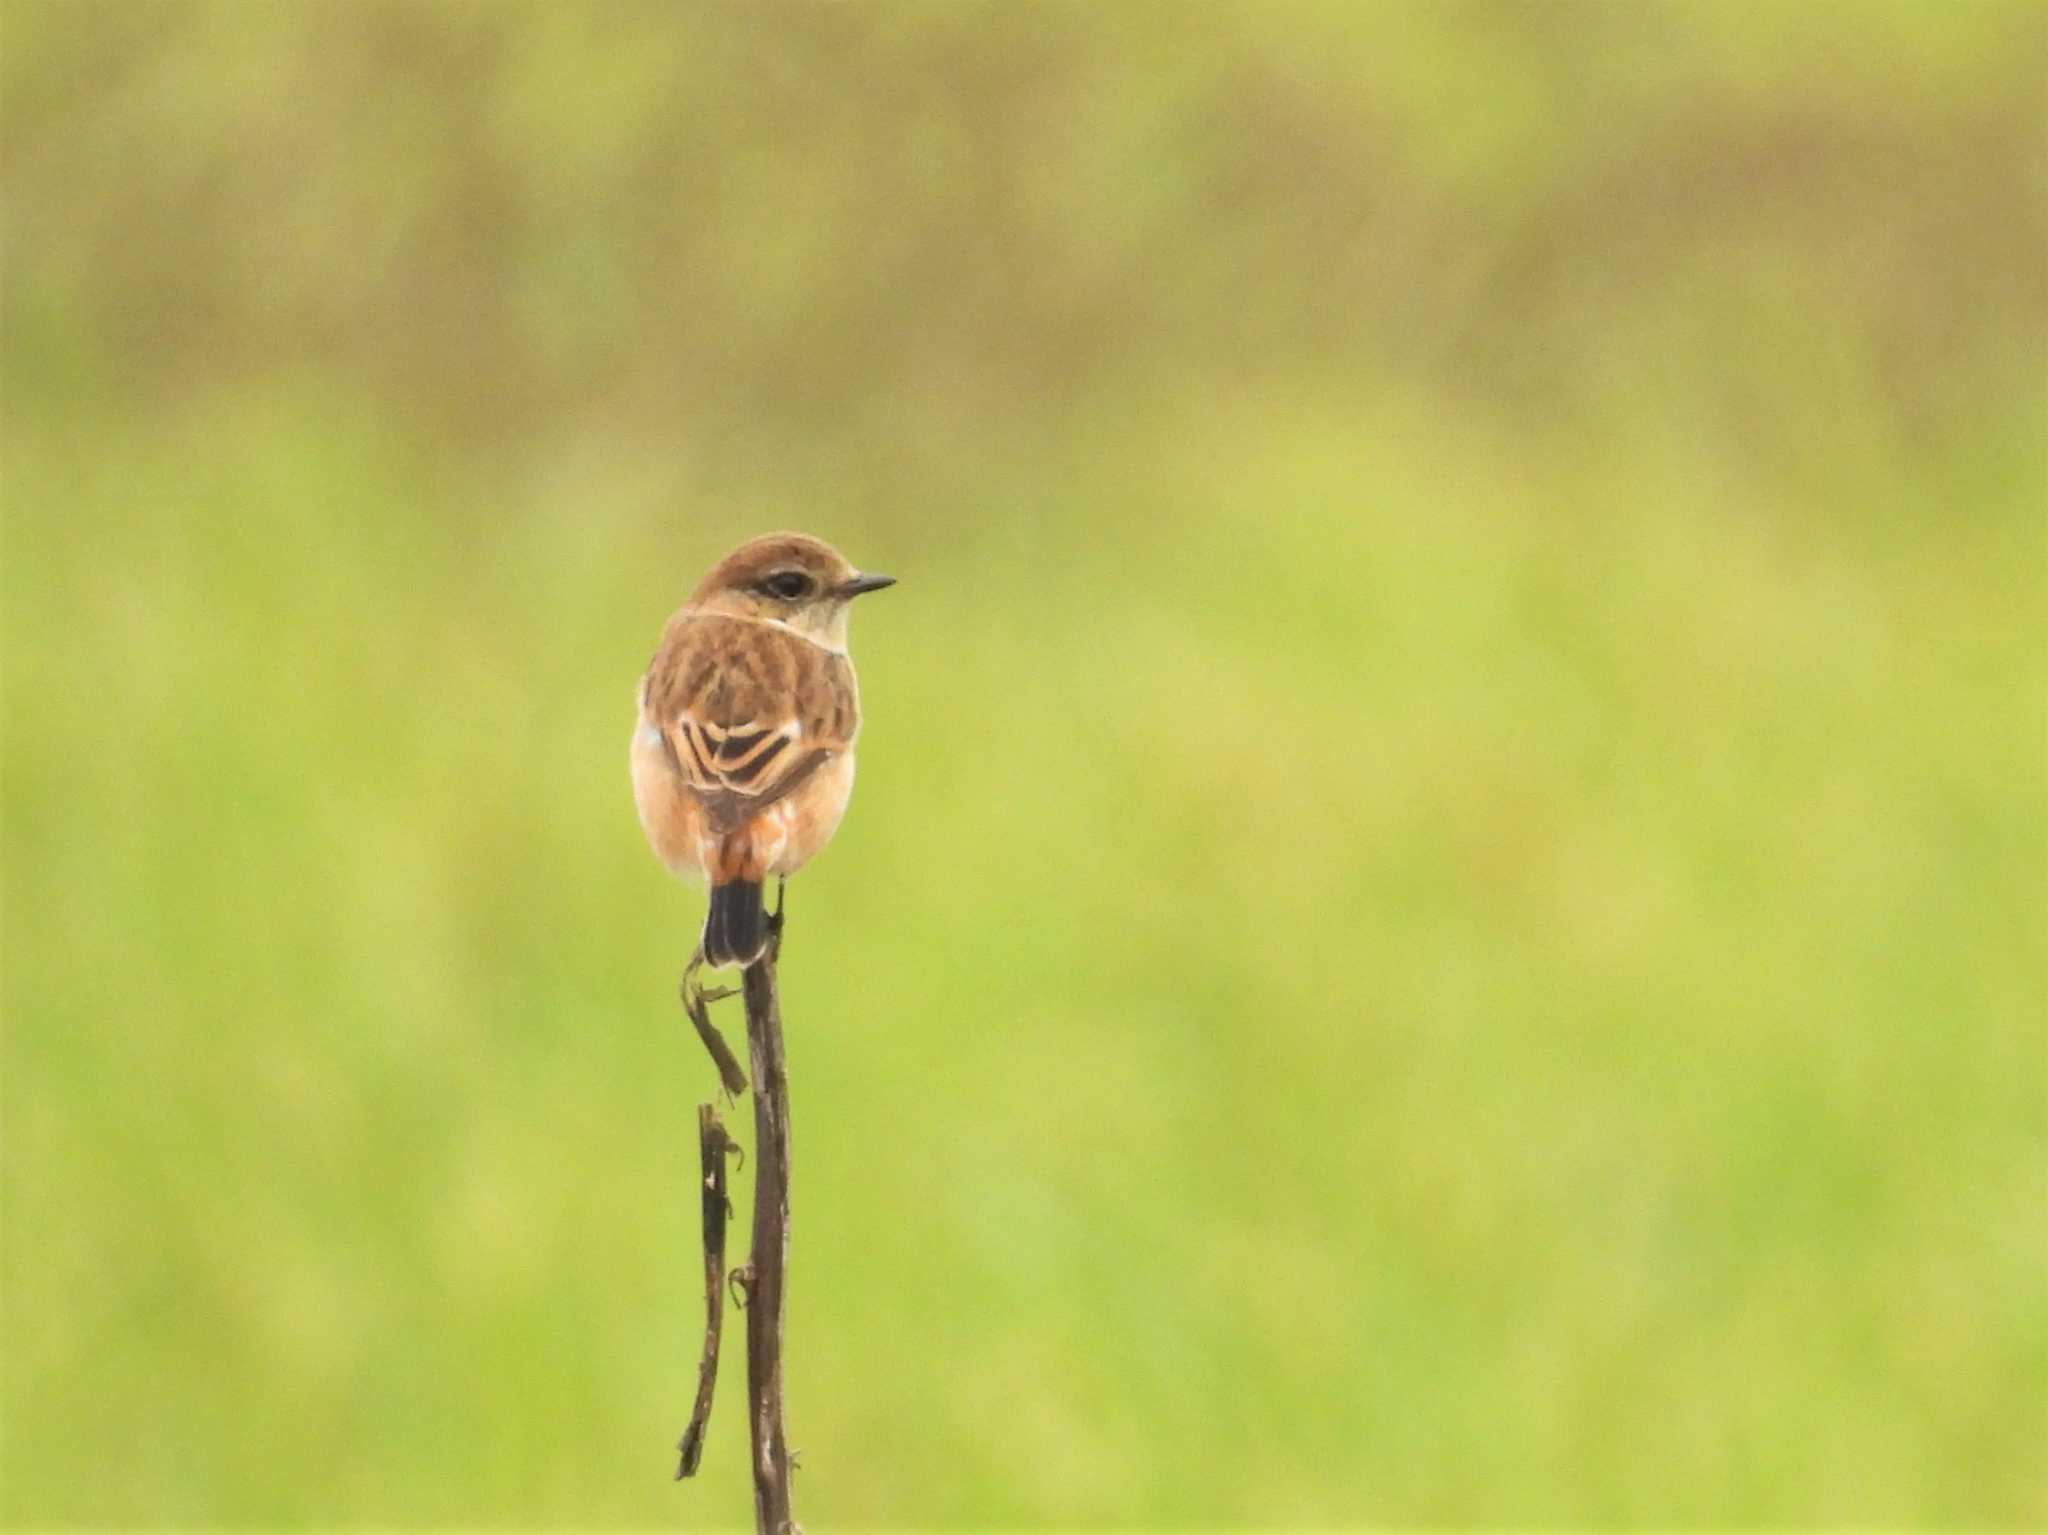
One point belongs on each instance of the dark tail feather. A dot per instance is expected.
(736, 927)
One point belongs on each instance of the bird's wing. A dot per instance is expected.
(747, 712)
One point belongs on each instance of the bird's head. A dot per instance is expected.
(791, 579)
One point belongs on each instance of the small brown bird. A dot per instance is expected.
(743, 753)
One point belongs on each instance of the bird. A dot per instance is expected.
(742, 754)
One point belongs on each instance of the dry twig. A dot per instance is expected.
(712, 1145)
(697, 1003)
(761, 1278)
(768, 1262)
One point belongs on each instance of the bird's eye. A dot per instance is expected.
(788, 585)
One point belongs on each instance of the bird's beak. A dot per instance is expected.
(864, 583)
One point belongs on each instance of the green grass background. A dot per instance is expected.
(1443, 919)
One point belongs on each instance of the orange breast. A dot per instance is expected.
(813, 813)
(669, 813)
(780, 840)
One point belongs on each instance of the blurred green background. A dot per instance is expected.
(1444, 917)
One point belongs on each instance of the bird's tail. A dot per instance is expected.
(736, 927)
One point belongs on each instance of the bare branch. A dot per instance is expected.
(758, 1284)
(712, 1146)
(769, 1259)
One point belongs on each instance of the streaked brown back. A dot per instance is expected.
(725, 694)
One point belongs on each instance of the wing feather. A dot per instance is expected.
(747, 712)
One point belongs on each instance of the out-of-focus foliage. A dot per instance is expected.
(1444, 916)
